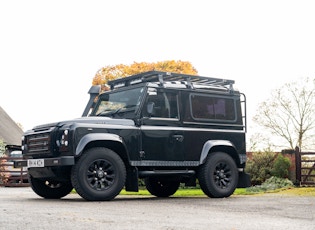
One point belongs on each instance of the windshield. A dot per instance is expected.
(122, 103)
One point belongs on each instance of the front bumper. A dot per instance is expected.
(48, 162)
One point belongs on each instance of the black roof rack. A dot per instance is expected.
(162, 77)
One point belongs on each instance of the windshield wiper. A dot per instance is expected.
(105, 111)
(123, 110)
(112, 113)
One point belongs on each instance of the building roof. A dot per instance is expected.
(10, 132)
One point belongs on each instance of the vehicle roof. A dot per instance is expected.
(173, 80)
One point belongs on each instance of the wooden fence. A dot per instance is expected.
(10, 176)
(305, 168)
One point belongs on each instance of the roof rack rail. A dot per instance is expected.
(162, 77)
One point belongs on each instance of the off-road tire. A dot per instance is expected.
(50, 189)
(218, 176)
(161, 187)
(99, 174)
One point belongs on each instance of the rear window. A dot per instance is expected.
(205, 107)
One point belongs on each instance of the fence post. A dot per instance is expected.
(297, 166)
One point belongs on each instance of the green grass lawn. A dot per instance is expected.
(297, 191)
(180, 192)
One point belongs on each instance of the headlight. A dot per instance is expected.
(63, 142)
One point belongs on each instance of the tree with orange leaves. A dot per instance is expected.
(108, 73)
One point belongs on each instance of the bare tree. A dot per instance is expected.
(290, 113)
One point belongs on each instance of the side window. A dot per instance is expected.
(212, 108)
(165, 104)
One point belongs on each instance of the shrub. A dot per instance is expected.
(2, 161)
(281, 167)
(272, 183)
(2, 147)
(260, 166)
(264, 165)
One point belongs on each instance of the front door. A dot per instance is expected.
(162, 137)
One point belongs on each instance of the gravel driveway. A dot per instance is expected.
(21, 208)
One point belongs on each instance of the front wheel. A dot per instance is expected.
(161, 187)
(50, 189)
(218, 176)
(99, 174)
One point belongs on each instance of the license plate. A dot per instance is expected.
(35, 163)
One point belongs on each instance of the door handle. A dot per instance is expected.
(178, 138)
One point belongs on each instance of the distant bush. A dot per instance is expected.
(260, 166)
(264, 165)
(2, 168)
(2, 147)
(281, 167)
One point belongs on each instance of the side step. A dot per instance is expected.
(166, 172)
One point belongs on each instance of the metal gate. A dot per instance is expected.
(305, 167)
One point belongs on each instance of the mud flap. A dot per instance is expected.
(131, 184)
(243, 180)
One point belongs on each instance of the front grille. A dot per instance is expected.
(39, 143)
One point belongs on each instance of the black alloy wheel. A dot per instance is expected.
(218, 176)
(99, 174)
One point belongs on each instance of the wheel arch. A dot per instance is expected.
(108, 140)
(219, 146)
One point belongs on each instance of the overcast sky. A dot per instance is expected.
(50, 50)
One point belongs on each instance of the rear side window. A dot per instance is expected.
(205, 107)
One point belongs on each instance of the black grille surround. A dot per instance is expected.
(39, 143)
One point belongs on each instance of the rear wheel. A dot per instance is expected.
(99, 174)
(218, 176)
(50, 189)
(161, 187)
